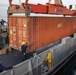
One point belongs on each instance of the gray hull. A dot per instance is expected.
(36, 66)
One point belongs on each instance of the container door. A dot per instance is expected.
(15, 37)
(10, 36)
(21, 31)
(12, 31)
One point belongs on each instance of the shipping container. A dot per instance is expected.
(39, 31)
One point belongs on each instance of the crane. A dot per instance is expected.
(56, 8)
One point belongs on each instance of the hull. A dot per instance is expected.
(37, 66)
(39, 31)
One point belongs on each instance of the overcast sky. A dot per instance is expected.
(65, 2)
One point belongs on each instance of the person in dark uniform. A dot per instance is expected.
(24, 50)
(2, 68)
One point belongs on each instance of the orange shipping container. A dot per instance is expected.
(39, 31)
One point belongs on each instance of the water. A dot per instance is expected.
(73, 71)
(3, 11)
(69, 68)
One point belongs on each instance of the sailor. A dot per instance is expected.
(2, 68)
(24, 50)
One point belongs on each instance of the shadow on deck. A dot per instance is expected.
(12, 58)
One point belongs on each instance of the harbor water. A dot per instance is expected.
(69, 68)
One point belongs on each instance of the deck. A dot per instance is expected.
(12, 58)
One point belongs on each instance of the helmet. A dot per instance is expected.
(23, 43)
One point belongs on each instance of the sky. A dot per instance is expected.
(65, 2)
(4, 5)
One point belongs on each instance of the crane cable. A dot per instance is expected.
(49, 1)
(10, 1)
(19, 1)
(26, 2)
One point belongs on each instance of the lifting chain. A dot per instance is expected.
(27, 10)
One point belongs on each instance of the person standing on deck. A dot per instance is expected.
(24, 50)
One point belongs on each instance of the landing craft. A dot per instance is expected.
(51, 32)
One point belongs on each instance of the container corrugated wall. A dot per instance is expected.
(39, 31)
